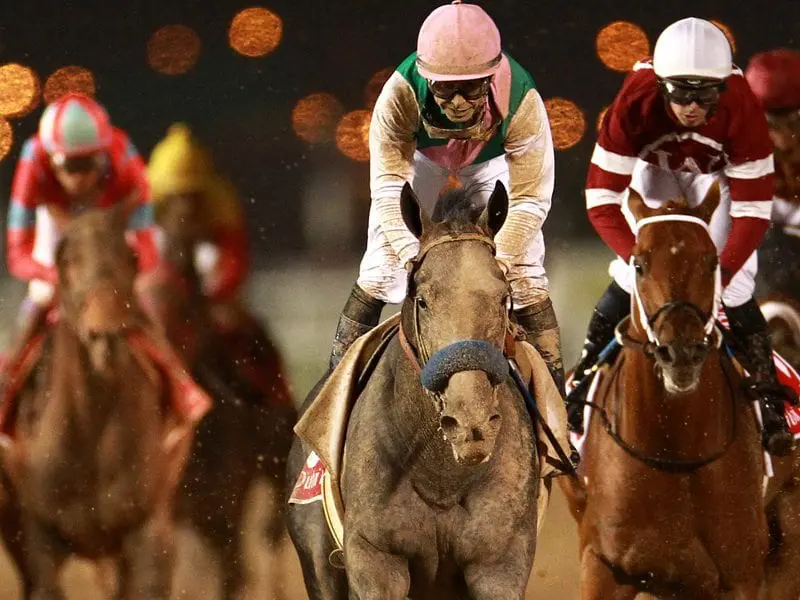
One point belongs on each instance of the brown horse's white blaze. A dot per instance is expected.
(680, 326)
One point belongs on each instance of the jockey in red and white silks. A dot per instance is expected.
(682, 121)
(458, 107)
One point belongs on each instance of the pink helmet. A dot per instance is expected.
(73, 125)
(774, 77)
(458, 41)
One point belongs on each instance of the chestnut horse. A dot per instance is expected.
(94, 463)
(670, 496)
(248, 432)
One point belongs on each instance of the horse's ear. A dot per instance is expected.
(637, 206)
(413, 216)
(709, 204)
(496, 211)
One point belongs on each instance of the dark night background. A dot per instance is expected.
(242, 106)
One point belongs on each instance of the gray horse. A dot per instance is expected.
(440, 482)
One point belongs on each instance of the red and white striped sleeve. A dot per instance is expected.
(613, 160)
(750, 171)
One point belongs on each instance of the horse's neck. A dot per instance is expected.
(415, 443)
(686, 425)
(180, 257)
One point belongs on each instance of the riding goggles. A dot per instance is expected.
(685, 93)
(469, 90)
(789, 119)
(79, 164)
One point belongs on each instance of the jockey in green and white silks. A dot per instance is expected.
(458, 107)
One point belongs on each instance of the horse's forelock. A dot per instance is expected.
(455, 212)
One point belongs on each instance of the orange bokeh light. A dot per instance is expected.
(314, 117)
(352, 135)
(255, 32)
(173, 49)
(620, 44)
(728, 33)
(6, 138)
(601, 116)
(375, 85)
(19, 90)
(567, 122)
(68, 79)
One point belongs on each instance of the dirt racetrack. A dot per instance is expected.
(276, 575)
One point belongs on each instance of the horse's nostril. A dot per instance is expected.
(448, 424)
(494, 418)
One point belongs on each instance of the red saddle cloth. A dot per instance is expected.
(187, 399)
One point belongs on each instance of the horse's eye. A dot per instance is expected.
(638, 267)
(712, 263)
(421, 303)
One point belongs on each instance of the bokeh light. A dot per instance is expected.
(728, 33)
(352, 135)
(620, 44)
(375, 85)
(173, 49)
(601, 116)
(68, 79)
(314, 117)
(6, 138)
(19, 90)
(566, 121)
(255, 32)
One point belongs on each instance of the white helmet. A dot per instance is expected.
(692, 48)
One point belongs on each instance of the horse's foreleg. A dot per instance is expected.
(147, 560)
(597, 580)
(506, 578)
(782, 576)
(373, 574)
(44, 555)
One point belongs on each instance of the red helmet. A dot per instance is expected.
(74, 125)
(774, 77)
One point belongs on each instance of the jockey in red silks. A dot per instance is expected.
(79, 161)
(182, 175)
(774, 77)
(459, 107)
(76, 161)
(682, 121)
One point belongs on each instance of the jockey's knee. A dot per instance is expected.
(389, 288)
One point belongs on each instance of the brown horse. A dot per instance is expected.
(439, 482)
(672, 472)
(783, 492)
(91, 470)
(247, 434)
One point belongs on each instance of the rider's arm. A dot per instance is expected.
(609, 176)
(750, 172)
(391, 147)
(529, 152)
(21, 227)
(231, 270)
(136, 190)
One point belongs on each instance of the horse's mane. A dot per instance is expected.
(457, 212)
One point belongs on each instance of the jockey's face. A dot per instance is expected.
(784, 129)
(78, 175)
(461, 101)
(691, 115)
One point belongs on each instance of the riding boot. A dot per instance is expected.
(750, 333)
(360, 314)
(542, 332)
(613, 306)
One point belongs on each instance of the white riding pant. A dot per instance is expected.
(656, 186)
(382, 275)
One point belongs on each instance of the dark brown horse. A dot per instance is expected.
(439, 483)
(94, 463)
(247, 435)
(783, 492)
(672, 463)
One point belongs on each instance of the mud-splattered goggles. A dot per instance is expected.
(469, 90)
(684, 93)
(79, 164)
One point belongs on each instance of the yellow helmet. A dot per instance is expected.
(180, 164)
